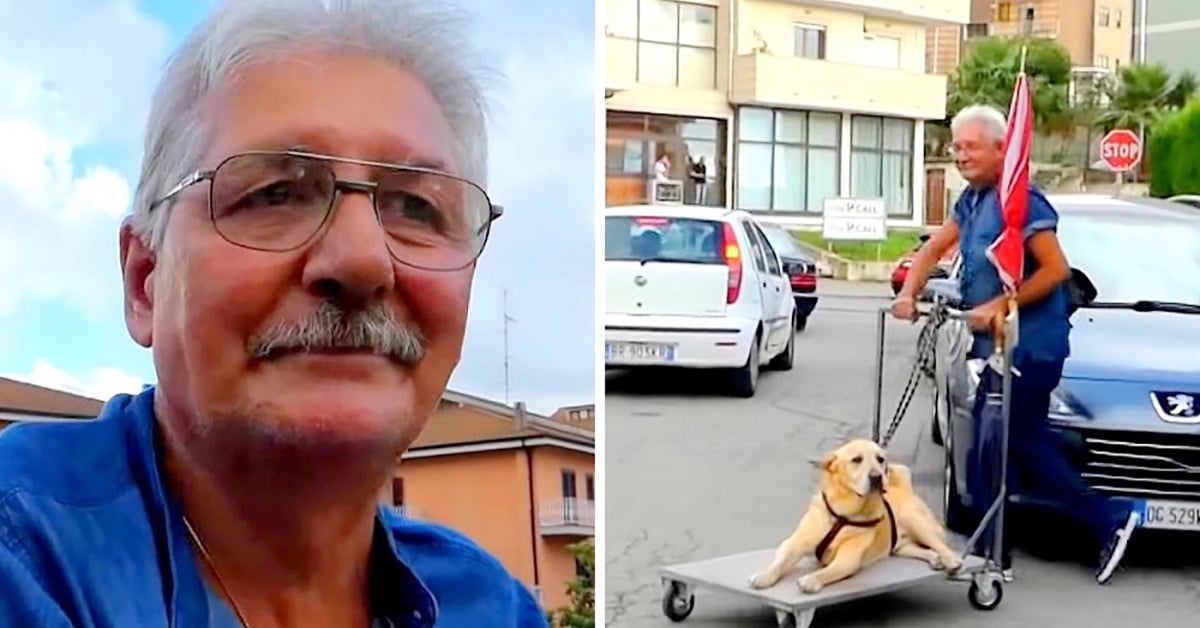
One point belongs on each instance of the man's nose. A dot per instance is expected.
(350, 260)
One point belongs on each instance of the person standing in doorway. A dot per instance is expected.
(698, 173)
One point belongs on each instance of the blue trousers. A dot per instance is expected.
(1034, 453)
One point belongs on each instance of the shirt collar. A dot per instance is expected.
(397, 593)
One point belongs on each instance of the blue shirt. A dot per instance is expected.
(1044, 327)
(90, 538)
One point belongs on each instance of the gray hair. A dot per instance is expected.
(428, 38)
(994, 122)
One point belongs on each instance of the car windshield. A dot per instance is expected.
(781, 240)
(659, 238)
(1132, 258)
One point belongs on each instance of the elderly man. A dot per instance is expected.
(978, 136)
(299, 261)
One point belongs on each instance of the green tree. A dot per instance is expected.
(582, 590)
(989, 70)
(1174, 142)
(986, 76)
(1138, 97)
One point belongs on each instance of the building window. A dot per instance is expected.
(881, 161)
(634, 141)
(1102, 18)
(569, 495)
(809, 41)
(1004, 12)
(976, 30)
(665, 42)
(397, 491)
(589, 487)
(1117, 20)
(881, 51)
(1102, 61)
(787, 160)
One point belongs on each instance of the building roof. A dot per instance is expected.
(30, 399)
(465, 419)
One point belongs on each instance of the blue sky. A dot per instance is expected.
(75, 82)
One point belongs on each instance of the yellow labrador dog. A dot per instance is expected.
(866, 510)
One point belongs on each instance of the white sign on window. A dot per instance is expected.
(854, 219)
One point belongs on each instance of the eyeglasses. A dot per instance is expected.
(280, 200)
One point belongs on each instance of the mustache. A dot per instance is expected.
(332, 326)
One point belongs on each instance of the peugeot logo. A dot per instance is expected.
(1175, 407)
(640, 280)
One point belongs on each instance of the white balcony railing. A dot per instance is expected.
(567, 511)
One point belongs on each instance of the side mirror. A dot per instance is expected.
(944, 290)
(1081, 291)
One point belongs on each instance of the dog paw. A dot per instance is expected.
(760, 581)
(951, 563)
(809, 584)
(936, 563)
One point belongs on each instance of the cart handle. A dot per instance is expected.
(926, 310)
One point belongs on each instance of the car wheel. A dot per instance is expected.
(745, 379)
(935, 424)
(784, 361)
(801, 322)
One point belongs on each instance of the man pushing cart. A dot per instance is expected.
(1016, 299)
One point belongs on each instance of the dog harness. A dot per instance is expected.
(841, 521)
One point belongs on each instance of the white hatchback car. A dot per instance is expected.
(695, 287)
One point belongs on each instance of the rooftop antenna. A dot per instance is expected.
(507, 319)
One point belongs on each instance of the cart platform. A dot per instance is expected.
(793, 607)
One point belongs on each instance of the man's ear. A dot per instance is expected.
(137, 273)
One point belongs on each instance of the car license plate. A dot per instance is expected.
(648, 352)
(1171, 515)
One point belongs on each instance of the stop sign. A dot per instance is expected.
(1120, 150)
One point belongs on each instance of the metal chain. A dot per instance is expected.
(926, 341)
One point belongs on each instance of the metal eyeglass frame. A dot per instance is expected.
(339, 186)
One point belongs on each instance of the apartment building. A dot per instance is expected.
(788, 102)
(520, 484)
(21, 402)
(1096, 33)
(1168, 32)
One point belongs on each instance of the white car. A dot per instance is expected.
(695, 287)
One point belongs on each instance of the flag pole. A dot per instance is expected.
(1007, 321)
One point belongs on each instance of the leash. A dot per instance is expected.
(926, 341)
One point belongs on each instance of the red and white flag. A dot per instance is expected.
(1007, 253)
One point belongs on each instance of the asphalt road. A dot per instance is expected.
(691, 474)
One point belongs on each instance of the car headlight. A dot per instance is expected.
(1063, 407)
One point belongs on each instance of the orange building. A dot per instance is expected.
(519, 484)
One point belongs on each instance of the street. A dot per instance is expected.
(692, 474)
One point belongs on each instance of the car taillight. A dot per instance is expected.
(732, 254)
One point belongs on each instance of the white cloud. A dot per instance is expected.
(75, 75)
(101, 383)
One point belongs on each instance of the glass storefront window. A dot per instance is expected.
(787, 160)
(635, 141)
(881, 161)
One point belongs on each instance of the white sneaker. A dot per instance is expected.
(1114, 549)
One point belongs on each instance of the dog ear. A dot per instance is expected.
(827, 462)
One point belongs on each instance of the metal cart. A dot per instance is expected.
(796, 609)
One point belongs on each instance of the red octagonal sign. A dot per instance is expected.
(1120, 150)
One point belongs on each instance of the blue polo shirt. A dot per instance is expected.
(1044, 327)
(90, 538)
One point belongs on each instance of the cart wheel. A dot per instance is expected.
(677, 604)
(986, 597)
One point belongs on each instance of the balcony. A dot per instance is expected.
(931, 12)
(408, 511)
(567, 516)
(770, 80)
